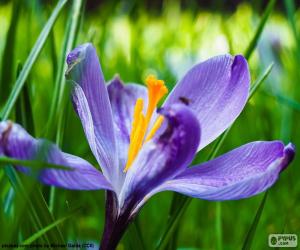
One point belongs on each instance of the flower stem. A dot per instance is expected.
(115, 223)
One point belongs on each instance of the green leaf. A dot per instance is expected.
(8, 200)
(57, 119)
(24, 114)
(173, 221)
(34, 164)
(260, 29)
(31, 60)
(260, 80)
(219, 241)
(176, 201)
(134, 237)
(33, 200)
(54, 59)
(55, 122)
(8, 53)
(43, 216)
(250, 235)
(291, 103)
(291, 10)
(44, 230)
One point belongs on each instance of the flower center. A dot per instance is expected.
(156, 90)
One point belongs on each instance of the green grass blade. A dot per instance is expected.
(134, 237)
(250, 235)
(36, 204)
(54, 59)
(260, 28)
(57, 119)
(173, 221)
(291, 10)
(24, 114)
(8, 53)
(260, 80)
(8, 200)
(172, 224)
(30, 60)
(291, 103)
(44, 230)
(34, 164)
(71, 33)
(176, 201)
(219, 238)
(6, 211)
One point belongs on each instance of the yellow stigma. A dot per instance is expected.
(156, 90)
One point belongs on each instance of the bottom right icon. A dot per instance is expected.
(283, 240)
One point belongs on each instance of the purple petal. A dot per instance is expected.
(165, 156)
(123, 99)
(240, 173)
(91, 102)
(217, 90)
(17, 143)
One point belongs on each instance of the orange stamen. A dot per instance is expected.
(155, 127)
(140, 124)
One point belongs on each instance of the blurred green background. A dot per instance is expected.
(133, 39)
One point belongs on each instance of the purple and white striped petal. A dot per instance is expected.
(217, 90)
(240, 173)
(163, 157)
(17, 143)
(123, 99)
(91, 102)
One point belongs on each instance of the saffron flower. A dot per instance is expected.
(143, 150)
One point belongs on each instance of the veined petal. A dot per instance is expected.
(85, 70)
(164, 156)
(17, 143)
(82, 109)
(217, 91)
(240, 173)
(123, 99)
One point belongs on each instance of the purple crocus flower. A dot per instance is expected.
(143, 150)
